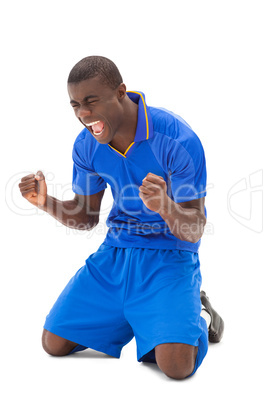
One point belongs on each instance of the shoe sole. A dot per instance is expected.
(217, 338)
(206, 303)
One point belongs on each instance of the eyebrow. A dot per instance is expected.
(85, 99)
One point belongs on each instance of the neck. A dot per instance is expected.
(125, 136)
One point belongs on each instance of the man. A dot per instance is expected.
(144, 280)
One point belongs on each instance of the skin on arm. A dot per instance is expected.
(185, 220)
(80, 213)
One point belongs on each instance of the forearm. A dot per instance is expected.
(70, 213)
(187, 224)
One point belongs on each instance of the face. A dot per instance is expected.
(98, 107)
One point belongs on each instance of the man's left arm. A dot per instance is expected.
(186, 220)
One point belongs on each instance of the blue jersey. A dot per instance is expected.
(165, 145)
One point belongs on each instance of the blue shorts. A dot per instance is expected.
(152, 294)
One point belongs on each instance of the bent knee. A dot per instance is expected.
(177, 372)
(55, 345)
(177, 361)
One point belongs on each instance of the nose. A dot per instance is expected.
(83, 111)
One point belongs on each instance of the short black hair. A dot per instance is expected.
(92, 66)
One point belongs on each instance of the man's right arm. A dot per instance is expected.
(80, 213)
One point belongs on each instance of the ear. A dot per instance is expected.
(121, 91)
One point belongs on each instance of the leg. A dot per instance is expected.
(55, 345)
(90, 307)
(176, 360)
(164, 310)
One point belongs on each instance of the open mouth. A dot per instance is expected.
(97, 127)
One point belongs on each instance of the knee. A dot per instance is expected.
(177, 371)
(54, 345)
(175, 362)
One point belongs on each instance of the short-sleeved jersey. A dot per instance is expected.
(165, 145)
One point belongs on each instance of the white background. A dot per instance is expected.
(204, 60)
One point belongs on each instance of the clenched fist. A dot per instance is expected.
(153, 193)
(34, 189)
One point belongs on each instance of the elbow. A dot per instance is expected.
(84, 224)
(197, 229)
(92, 222)
(192, 231)
(190, 237)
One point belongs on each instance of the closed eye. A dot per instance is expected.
(74, 105)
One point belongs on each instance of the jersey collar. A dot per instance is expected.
(144, 129)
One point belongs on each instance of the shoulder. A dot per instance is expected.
(167, 122)
(85, 140)
(84, 137)
(85, 146)
(174, 132)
